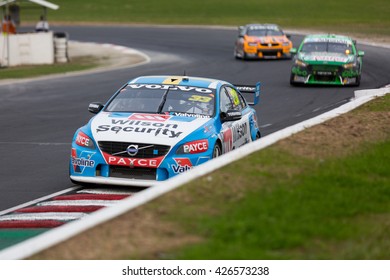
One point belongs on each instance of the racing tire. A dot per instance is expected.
(358, 78)
(244, 56)
(236, 56)
(217, 151)
(292, 80)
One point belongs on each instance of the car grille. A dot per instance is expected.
(273, 52)
(144, 150)
(320, 78)
(133, 173)
(269, 44)
(325, 68)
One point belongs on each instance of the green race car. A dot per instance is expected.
(327, 59)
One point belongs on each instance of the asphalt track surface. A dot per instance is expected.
(38, 118)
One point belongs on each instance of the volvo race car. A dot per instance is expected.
(262, 41)
(327, 59)
(155, 127)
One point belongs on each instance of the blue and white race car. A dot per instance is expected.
(155, 127)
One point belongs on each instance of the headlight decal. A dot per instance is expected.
(194, 147)
(300, 63)
(83, 140)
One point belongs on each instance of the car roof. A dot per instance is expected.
(179, 80)
(262, 26)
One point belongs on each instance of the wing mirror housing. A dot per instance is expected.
(231, 115)
(95, 107)
(293, 51)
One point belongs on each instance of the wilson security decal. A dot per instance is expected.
(164, 129)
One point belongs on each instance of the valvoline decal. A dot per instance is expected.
(182, 165)
(82, 161)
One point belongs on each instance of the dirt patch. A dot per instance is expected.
(138, 234)
(339, 136)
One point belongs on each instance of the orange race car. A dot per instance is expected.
(262, 41)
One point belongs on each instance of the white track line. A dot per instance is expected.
(106, 191)
(24, 205)
(60, 216)
(80, 202)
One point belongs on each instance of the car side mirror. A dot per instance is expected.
(361, 53)
(95, 107)
(293, 51)
(231, 115)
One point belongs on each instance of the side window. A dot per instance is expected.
(235, 98)
(226, 102)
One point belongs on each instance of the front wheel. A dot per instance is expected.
(292, 80)
(358, 78)
(217, 151)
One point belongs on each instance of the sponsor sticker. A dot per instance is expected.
(182, 165)
(149, 117)
(82, 161)
(158, 128)
(132, 162)
(195, 147)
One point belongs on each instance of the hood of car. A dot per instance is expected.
(326, 58)
(144, 128)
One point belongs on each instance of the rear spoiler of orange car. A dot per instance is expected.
(251, 89)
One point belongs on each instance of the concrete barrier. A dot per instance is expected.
(26, 49)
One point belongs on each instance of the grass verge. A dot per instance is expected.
(31, 71)
(351, 15)
(321, 194)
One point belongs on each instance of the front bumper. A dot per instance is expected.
(114, 181)
(95, 167)
(276, 51)
(331, 76)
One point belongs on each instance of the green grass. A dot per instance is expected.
(350, 16)
(347, 16)
(327, 212)
(273, 204)
(292, 207)
(31, 71)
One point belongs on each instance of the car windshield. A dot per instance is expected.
(165, 99)
(327, 47)
(264, 32)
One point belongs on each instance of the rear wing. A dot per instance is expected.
(251, 89)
